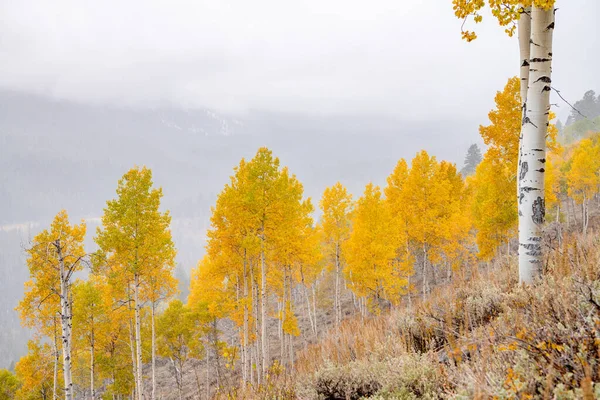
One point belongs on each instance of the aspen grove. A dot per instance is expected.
(286, 284)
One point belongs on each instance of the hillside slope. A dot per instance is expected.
(482, 337)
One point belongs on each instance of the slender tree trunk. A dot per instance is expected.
(425, 285)
(134, 364)
(55, 384)
(153, 395)
(257, 345)
(66, 322)
(314, 290)
(92, 362)
(263, 306)
(207, 377)
(138, 338)
(282, 331)
(246, 362)
(338, 306)
(532, 208)
(309, 309)
(585, 215)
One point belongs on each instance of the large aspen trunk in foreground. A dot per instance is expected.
(532, 208)
(524, 29)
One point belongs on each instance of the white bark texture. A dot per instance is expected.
(153, 395)
(524, 29)
(263, 309)
(66, 321)
(138, 339)
(532, 208)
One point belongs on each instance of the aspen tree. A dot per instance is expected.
(34, 371)
(370, 251)
(336, 205)
(91, 323)
(54, 257)
(495, 213)
(136, 239)
(178, 338)
(583, 177)
(423, 208)
(536, 111)
(535, 19)
(395, 200)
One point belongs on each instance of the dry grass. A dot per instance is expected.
(483, 338)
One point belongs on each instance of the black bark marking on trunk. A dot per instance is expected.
(528, 189)
(535, 261)
(542, 170)
(546, 89)
(545, 79)
(540, 60)
(525, 64)
(524, 170)
(542, 160)
(551, 26)
(539, 211)
(521, 201)
(533, 249)
(526, 120)
(520, 214)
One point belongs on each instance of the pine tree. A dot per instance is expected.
(472, 160)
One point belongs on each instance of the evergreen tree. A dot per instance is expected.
(589, 106)
(472, 160)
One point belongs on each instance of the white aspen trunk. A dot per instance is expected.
(585, 216)
(245, 362)
(92, 384)
(290, 337)
(153, 395)
(282, 331)
(138, 338)
(66, 321)
(309, 309)
(524, 33)
(255, 311)
(132, 347)
(207, 376)
(337, 305)
(263, 307)
(425, 285)
(55, 385)
(314, 290)
(92, 361)
(252, 356)
(532, 208)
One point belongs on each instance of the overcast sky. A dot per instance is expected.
(395, 57)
